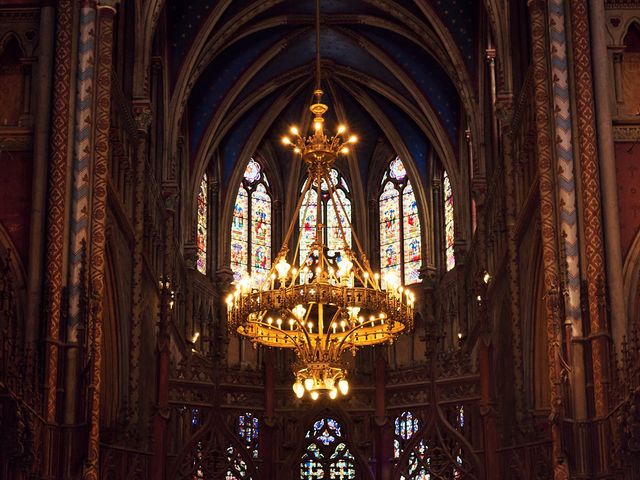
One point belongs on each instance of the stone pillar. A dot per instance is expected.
(57, 208)
(384, 439)
(608, 181)
(592, 204)
(161, 417)
(504, 109)
(541, 78)
(106, 14)
(40, 159)
(142, 115)
(268, 441)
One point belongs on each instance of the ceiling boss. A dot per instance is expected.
(334, 302)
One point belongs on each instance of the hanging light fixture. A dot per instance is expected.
(334, 302)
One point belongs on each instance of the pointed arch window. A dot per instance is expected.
(327, 455)
(333, 217)
(449, 228)
(202, 225)
(251, 225)
(400, 232)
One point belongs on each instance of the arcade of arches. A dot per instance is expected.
(496, 177)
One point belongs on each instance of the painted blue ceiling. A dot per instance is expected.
(348, 65)
(461, 17)
(220, 76)
(413, 137)
(429, 76)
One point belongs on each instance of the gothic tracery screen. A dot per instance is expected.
(400, 232)
(327, 455)
(251, 225)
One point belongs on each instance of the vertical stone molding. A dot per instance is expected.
(504, 111)
(106, 13)
(592, 203)
(56, 209)
(82, 160)
(541, 77)
(142, 113)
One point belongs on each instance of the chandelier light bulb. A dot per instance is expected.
(269, 320)
(314, 395)
(294, 130)
(298, 389)
(344, 150)
(343, 385)
(353, 139)
(286, 141)
(487, 278)
(333, 393)
(317, 125)
(341, 129)
(308, 383)
(283, 268)
(279, 322)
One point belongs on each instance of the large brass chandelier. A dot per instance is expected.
(333, 302)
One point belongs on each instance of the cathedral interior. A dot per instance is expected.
(479, 203)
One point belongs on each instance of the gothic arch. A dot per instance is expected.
(291, 466)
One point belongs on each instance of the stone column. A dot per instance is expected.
(504, 109)
(383, 441)
(39, 181)
(590, 179)
(57, 208)
(608, 181)
(541, 78)
(106, 14)
(161, 417)
(142, 115)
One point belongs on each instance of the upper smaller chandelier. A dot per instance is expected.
(332, 303)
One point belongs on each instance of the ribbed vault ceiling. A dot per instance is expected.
(400, 72)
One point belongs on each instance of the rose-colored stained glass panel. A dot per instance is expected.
(260, 233)
(252, 172)
(390, 231)
(412, 241)
(449, 229)
(240, 234)
(397, 170)
(201, 228)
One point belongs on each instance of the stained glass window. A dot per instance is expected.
(416, 467)
(400, 232)
(327, 456)
(335, 215)
(248, 431)
(251, 225)
(237, 467)
(201, 226)
(449, 231)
